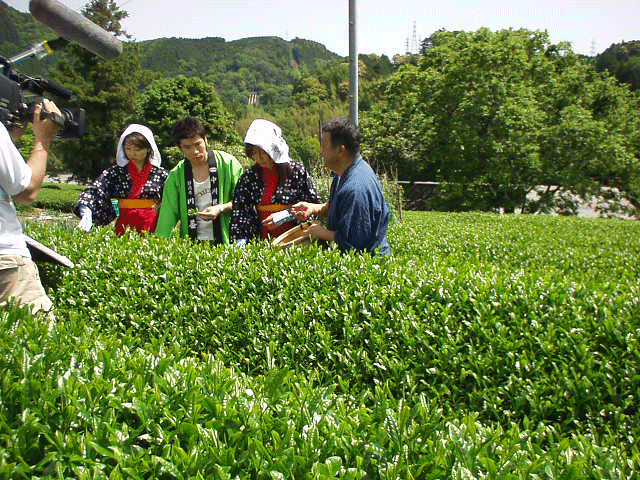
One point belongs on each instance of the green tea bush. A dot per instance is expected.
(486, 346)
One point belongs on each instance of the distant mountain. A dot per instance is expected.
(268, 66)
(18, 30)
(175, 56)
(622, 60)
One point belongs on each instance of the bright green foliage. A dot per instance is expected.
(486, 347)
(502, 113)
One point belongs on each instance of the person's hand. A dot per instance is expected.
(268, 222)
(305, 210)
(44, 129)
(320, 232)
(276, 219)
(86, 220)
(210, 213)
(240, 244)
(313, 230)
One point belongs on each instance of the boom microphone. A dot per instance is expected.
(75, 27)
(41, 49)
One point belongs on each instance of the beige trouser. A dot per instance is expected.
(19, 278)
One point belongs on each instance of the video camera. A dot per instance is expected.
(15, 112)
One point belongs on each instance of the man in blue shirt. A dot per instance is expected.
(358, 216)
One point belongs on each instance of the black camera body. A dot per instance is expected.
(14, 112)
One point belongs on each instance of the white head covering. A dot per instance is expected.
(121, 158)
(268, 136)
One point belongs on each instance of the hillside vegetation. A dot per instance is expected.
(268, 66)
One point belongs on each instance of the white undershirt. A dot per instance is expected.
(203, 200)
(15, 176)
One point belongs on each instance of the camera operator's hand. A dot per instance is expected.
(44, 129)
(16, 132)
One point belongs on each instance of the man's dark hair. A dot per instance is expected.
(188, 127)
(343, 132)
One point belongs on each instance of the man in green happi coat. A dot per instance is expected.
(199, 190)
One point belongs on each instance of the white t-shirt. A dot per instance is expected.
(203, 200)
(15, 177)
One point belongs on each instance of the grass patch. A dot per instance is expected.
(60, 197)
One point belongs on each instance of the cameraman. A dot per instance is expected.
(20, 182)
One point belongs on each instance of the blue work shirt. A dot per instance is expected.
(358, 211)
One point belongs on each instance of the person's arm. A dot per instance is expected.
(86, 218)
(44, 130)
(212, 212)
(321, 233)
(353, 228)
(304, 210)
(94, 204)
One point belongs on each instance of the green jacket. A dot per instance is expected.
(174, 197)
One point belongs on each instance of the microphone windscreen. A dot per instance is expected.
(75, 27)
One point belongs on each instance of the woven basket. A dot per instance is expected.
(294, 236)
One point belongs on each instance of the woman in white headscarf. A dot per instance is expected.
(136, 181)
(269, 187)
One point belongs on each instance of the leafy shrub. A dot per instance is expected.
(487, 346)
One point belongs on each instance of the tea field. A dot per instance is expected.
(487, 346)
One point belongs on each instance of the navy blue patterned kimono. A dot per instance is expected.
(245, 223)
(115, 182)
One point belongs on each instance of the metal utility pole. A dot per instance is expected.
(353, 66)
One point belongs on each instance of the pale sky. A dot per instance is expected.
(383, 26)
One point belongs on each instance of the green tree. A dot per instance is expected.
(166, 100)
(500, 114)
(310, 91)
(104, 88)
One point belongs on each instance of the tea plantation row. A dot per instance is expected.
(487, 347)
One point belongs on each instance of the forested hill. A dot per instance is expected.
(267, 65)
(175, 56)
(19, 30)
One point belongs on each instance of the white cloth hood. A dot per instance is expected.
(268, 136)
(121, 158)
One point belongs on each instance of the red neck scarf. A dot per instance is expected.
(137, 218)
